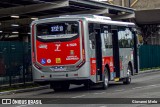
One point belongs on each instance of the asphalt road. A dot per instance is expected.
(146, 85)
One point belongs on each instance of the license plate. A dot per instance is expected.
(58, 69)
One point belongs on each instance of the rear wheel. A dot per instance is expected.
(105, 83)
(87, 85)
(60, 86)
(128, 79)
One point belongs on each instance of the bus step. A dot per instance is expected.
(135, 73)
(116, 79)
(99, 81)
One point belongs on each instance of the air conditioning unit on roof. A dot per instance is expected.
(87, 16)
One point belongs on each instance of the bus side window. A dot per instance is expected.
(125, 38)
(91, 36)
(107, 39)
(92, 40)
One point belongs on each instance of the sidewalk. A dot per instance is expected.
(148, 71)
(25, 90)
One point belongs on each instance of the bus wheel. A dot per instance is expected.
(105, 83)
(128, 79)
(60, 86)
(87, 85)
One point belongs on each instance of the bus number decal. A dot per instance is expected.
(71, 45)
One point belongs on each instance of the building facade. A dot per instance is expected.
(147, 18)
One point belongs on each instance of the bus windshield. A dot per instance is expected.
(57, 30)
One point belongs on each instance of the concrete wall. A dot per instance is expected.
(153, 35)
(147, 4)
(141, 4)
(120, 2)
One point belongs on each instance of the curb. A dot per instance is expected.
(25, 90)
(148, 71)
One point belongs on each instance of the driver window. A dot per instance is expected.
(91, 36)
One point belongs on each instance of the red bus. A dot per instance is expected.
(83, 49)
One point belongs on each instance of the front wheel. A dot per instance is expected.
(105, 83)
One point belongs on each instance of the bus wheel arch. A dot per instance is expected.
(131, 67)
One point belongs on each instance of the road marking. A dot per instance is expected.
(102, 106)
(137, 87)
(149, 86)
(100, 93)
(78, 96)
(21, 106)
(120, 90)
(153, 85)
(24, 105)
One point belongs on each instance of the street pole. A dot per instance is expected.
(129, 3)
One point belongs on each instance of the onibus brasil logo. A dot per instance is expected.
(21, 101)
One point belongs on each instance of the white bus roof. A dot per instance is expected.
(91, 18)
(86, 16)
(110, 22)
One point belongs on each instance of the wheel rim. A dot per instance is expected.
(106, 78)
(129, 74)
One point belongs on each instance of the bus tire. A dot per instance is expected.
(105, 83)
(127, 80)
(60, 86)
(87, 85)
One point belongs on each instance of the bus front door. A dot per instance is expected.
(98, 54)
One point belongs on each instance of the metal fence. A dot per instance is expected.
(149, 56)
(15, 63)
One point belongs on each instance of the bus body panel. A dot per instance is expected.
(38, 75)
(49, 54)
(80, 73)
(126, 55)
